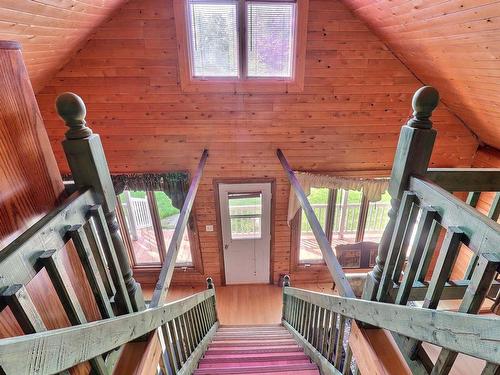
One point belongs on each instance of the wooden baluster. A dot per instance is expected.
(331, 338)
(428, 215)
(77, 234)
(442, 271)
(346, 370)
(326, 328)
(400, 231)
(88, 166)
(17, 298)
(62, 284)
(175, 342)
(197, 322)
(401, 261)
(169, 347)
(99, 220)
(181, 338)
(98, 254)
(321, 324)
(412, 157)
(471, 303)
(429, 249)
(339, 346)
(303, 310)
(473, 198)
(491, 369)
(444, 265)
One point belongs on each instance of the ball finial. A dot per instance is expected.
(286, 280)
(71, 109)
(210, 283)
(424, 102)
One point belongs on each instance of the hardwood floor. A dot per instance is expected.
(245, 304)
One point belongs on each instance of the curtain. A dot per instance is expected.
(174, 184)
(372, 188)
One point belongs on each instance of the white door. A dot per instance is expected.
(245, 211)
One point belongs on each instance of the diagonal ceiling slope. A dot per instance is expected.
(450, 44)
(51, 31)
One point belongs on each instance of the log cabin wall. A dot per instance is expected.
(356, 97)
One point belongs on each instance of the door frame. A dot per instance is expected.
(236, 180)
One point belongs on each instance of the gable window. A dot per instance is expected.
(241, 45)
(346, 216)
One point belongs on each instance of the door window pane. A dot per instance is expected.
(346, 220)
(270, 30)
(214, 38)
(139, 224)
(377, 218)
(309, 248)
(245, 215)
(169, 215)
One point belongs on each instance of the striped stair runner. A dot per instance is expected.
(255, 350)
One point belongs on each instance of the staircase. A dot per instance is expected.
(255, 350)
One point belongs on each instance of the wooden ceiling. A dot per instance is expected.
(51, 31)
(450, 44)
(453, 45)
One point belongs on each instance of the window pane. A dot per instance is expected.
(169, 215)
(214, 38)
(309, 248)
(346, 220)
(245, 214)
(270, 29)
(140, 226)
(377, 218)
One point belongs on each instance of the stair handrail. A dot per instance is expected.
(331, 260)
(167, 269)
(474, 335)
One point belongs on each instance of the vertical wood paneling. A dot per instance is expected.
(29, 179)
(356, 96)
(452, 45)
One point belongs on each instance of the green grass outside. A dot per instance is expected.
(165, 208)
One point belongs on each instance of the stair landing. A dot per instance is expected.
(255, 350)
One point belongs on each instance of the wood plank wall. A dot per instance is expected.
(452, 45)
(356, 96)
(51, 31)
(30, 187)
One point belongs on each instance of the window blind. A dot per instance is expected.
(214, 38)
(270, 36)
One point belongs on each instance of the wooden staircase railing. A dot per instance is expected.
(57, 350)
(87, 220)
(425, 210)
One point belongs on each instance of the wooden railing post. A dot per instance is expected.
(413, 154)
(89, 168)
(286, 283)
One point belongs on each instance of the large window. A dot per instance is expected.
(345, 216)
(148, 219)
(241, 38)
(241, 44)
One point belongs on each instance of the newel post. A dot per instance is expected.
(89, 168)
(416, 141)
(286, 284)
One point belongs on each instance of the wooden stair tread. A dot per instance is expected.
(285, 369)
(255, 350)
(253, 356)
